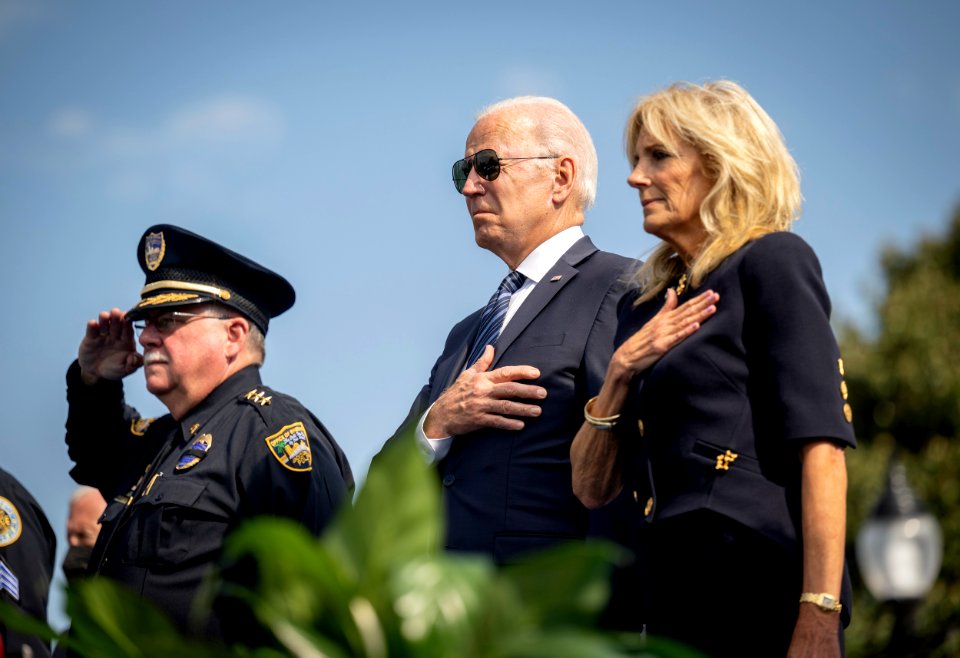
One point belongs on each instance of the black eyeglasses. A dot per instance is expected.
(167, 323)
(487, 163)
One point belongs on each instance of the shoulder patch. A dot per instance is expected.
(291, 447)
(257, 396)
(138, 427)
(9, 581)
(11, 525)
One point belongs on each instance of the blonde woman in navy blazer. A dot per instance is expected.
(732, 442)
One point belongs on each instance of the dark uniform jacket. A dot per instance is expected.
(175, 489)
(27, 552)
(509, 492)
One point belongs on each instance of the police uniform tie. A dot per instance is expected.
(491, 320)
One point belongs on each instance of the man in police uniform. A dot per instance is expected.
(27, 548)
(229, 449)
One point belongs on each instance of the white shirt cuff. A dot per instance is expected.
(433, 449)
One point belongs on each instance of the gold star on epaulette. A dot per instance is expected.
(259, 397)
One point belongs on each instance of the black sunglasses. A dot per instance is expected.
(487, 164)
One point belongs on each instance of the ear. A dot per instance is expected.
(563, 180)
(237, 331)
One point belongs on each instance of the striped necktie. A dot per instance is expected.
(491, 320)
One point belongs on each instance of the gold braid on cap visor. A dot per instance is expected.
(184, 285)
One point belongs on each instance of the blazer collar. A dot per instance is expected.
(562, 273)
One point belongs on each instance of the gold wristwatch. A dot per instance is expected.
(826, 602)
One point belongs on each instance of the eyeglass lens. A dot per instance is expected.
(486, 162)
(166, 323)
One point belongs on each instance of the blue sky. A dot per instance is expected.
(317, 138)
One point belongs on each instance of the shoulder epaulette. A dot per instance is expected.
(257, 396)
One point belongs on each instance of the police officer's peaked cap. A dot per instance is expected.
(184, 268)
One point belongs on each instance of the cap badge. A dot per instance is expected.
(197, 451)
(10, 523)
(291, 447)
(154, 248)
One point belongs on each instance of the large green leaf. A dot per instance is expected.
(567, 583)
(302, 596)
(395, 518)
(110, 621)
(16, 619)
(440, 603)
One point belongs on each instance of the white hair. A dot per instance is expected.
(560, 132)
(81, 491)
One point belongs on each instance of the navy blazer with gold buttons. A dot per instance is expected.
(717, 423)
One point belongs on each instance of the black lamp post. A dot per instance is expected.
(899, 551)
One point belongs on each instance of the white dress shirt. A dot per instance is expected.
(534, 267)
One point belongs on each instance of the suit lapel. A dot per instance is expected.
(561, 274)
(453, 363)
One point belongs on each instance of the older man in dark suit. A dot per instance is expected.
(506, 396)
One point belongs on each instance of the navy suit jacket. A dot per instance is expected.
(509, 492)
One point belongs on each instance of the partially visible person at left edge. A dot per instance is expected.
(230, 448)
(27, 551)
(83, 527)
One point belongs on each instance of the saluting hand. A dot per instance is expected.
(483, 398)
(108, 349)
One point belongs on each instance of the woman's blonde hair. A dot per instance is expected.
(756, 184)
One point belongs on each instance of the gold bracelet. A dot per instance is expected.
(605, 423)
(826, 602)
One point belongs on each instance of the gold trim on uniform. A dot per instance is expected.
(11, 525)
(222, 293)
(291, 447)
(194, 428)
(840, 367)
(153, 481)
(259, 397)
(166, 298)
(848, 412)
(843, 389)
(138, 426)
(648, 507)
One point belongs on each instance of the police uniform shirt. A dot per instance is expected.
(175, 489)
(27, 552)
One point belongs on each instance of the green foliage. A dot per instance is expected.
(906, 379)
(905, 390)
(376, 585)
